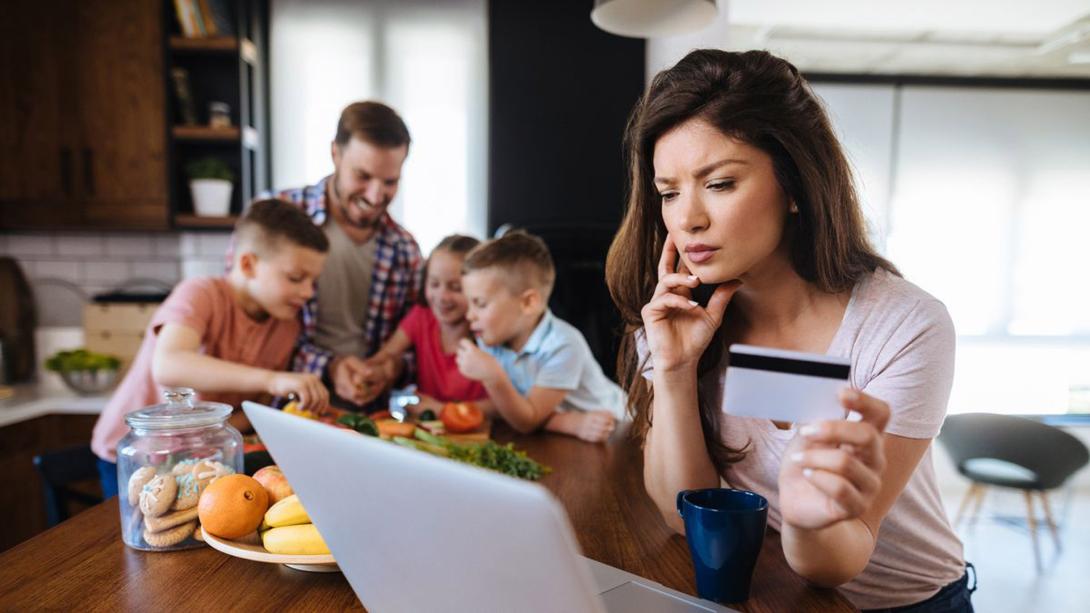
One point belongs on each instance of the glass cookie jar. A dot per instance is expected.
(171, 453)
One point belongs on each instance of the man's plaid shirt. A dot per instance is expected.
(395, 282)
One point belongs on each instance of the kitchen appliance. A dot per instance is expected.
(18, 319)
(115, 322)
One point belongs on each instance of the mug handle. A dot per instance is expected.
(681, 501)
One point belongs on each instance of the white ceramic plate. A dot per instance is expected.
(323, 563)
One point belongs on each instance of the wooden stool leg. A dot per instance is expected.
(969, 495)
(979, 501)
(1032, 520)
(1048, 518)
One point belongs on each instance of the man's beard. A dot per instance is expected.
(346, 203)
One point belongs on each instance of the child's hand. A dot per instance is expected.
(426, 403)
(348, 374)
(476, 364)
(592, 426)
(313, 396)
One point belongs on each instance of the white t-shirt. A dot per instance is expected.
(900, 341)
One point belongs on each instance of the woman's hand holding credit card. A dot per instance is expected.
(832, 470)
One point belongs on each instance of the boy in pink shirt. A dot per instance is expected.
(228, 337)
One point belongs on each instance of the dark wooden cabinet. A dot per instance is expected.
(82, 130)
(20, 486)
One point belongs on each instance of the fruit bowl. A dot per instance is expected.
(90, 382)
(323, 563)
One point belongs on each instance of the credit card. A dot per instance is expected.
(784, 385)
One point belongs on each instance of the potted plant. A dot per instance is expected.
(210, 182)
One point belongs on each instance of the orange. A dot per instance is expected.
(233, 506)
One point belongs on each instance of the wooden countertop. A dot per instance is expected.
(83, 563)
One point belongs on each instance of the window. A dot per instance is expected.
(427, 60)
(988, 209)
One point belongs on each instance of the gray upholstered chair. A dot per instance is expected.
(1014, 452)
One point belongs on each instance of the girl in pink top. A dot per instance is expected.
(743, 226)
(434, 329)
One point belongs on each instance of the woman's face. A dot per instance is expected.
(721, 202)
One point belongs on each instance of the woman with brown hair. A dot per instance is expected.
(742, 198)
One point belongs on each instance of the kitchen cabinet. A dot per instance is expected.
(21, 495)
(82, 115)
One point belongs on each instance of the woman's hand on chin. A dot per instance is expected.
(678, 329)
(832, 469)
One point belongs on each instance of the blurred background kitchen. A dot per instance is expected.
(132, 132)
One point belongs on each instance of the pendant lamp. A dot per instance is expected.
(652, 18)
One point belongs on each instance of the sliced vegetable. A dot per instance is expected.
(488, 454)
(461, 417)
(391, 427)
(359, 423)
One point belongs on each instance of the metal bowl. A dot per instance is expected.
(90, 382)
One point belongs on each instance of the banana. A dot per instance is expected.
(301, 539)
(287, 512)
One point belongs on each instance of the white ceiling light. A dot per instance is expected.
(652, 18)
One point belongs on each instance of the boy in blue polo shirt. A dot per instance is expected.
(537, 368)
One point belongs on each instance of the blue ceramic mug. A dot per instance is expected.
(725, 529)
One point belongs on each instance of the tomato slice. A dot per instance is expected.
(461, 417)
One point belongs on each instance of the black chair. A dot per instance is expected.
(1014, 452)
(59, 470)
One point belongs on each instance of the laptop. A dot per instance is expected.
(415, 532)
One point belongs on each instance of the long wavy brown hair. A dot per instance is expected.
(761, 100)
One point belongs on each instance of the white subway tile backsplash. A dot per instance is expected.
(189, 245)
(166, 245)
(160, 271)
(64, 270)
(109, 273)
(214, 245)
(201, 268)
(30, 244)
(127, 245)
(78, 245)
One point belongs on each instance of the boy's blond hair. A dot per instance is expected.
(522, 257)
(268, 223)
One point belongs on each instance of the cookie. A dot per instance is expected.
(184, 467)
(197, 534)
(137, 482)
(206, 471)
(165, 522)
(189, 492)
(158, 495)
(171, 536)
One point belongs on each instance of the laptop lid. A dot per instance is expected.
(413, 532)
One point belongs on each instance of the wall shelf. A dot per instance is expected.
(211, 44)
(205, 133)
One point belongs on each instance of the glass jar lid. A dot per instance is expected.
(180, 411)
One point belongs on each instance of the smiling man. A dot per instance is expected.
(372, 273)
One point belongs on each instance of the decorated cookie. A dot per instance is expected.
(170, 536)
(174, 518)
(184, 467)
(158, 495)
(206, 471)
(189, 492)
(137, 482)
